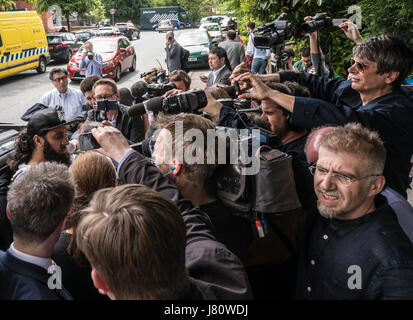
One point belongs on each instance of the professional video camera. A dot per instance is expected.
(270, 190)
(188, 102)
(159, 89)
(319, 21)
(273, 33)
(159, 76)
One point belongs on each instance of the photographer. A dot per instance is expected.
(116, 115)
(91, 61)
(380, 65)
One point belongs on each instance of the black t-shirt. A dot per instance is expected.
(233, 231)
(76, 279)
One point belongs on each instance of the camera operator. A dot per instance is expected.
(193, 179)
(305, 64)
(180, 79)
(380, 65)
(131, 128)
(91, 61)
(277, 66)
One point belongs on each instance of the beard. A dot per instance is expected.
(51, 155)
(327, 212)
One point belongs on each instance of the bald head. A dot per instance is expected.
(313, 143)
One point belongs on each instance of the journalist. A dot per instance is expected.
(115, 114)
(91, 61)
(380, 64)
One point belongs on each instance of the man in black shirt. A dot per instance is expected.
(192, 178)
(355, 248)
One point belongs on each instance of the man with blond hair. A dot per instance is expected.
(355, 248)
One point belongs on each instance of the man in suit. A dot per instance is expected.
(173, 52)
(220, 67)
(37, 206)
(235, 50)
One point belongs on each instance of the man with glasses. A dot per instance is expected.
(63, 98)
(355, 248)
(373, 97)
(118, 117)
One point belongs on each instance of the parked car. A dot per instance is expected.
(129, 30)
(110, 31)
(155, 26)
(85, 35)
(165, 25)
(198, 43)
(59, 28)
(224, 23)
(177, 24)
(118, 55)
(212, 19)
(214, 30)
(62, 45)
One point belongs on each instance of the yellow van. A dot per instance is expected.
(23, 43)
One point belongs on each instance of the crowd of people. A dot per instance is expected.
(112, 223)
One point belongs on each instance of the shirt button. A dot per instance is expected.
(312, 262)
(309, 289)
(325, 237)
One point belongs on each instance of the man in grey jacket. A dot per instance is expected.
(173, 52)
(235, 50)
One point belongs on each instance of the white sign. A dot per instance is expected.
(112, 11)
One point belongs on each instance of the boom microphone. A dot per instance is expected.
(154, 105)
(138, 89)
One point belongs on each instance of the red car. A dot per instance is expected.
(118, 55)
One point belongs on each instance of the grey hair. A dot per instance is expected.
(39, 200)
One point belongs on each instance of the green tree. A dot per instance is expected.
(125, 9)
(69, 7)
(9, 4)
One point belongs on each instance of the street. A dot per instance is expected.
(23, 90)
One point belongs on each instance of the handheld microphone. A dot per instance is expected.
(139, 109)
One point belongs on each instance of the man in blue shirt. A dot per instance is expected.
(372, 96)
(259, 62)
(91, 61)
(63, 98)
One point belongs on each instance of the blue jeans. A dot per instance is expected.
(258, 65)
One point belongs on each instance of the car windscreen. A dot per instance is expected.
(103, 46)
(164, 23)
(54, 39)
(193, 39)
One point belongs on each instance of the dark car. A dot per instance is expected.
(129, 30)
(85, 35)
(118, 55)
(62, 45)
(198, 43)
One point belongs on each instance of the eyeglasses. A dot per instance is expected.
(341, 178)
(100, 98)
(60, 79)
(360, 67)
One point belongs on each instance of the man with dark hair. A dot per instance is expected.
(131, 128)
(220, 67)
(235, 50)
(250, 45)
(44, 139)
(86, 86)
(305, 63)
(69, 100)
(37, 206)
(180, 79)
(355, 248)
(373, 96)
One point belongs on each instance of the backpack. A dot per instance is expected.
(184, 58)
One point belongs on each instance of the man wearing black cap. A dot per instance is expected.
(44, 139)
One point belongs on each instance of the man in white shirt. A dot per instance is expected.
(250, 46)
(37, 206)
(69, 100)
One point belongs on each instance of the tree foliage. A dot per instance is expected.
(126, 9)
(9, 4)
(68, 7)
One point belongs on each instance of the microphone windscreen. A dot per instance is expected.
(313, 145)
(136, 110)
(138, 89)
(154, 104)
